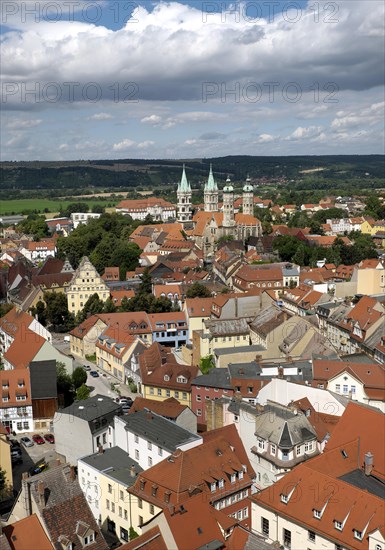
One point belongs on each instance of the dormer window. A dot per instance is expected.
(357, 534)
(221, 483)
(89, 539)
(240, 475)
(181, 379)
(317, 514)
(338, 525)
(142, 484)
(166, 378)
(233, 478)
(154, 490)
(213, 487)
(284, 499)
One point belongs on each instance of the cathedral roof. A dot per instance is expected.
(211, 183)
(184, 186)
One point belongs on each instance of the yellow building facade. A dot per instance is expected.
(85, 282)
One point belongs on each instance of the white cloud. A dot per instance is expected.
(20, 124)
(124, 145)
(155, 120)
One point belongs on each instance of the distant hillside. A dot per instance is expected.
(130, 173)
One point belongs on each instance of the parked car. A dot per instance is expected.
(38, 467)
(14, 443)
(38, 439)
(94, 373)
(26, 441)
(50, 438)
(123, 400)
(16, 459)
(86, 367)
(16, 452)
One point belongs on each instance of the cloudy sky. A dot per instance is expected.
(117, 79)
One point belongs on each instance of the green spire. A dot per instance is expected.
(184, 186)
(211, 184)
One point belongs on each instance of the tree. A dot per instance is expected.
(126, 256)
(41, 311)
(206, 363)
(197, 290)
(79, 377)
(4, 308)
(57, 313)
(82, 393)
(287, 246)
(109, 306)
(145, 286)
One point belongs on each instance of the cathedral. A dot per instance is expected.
(207, 226)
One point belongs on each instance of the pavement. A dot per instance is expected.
(32, 455)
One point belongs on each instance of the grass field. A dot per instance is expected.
(25, 205)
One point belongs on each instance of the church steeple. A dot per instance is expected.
(228, 204)
(183, 193)
(248, 198)
(211, 193)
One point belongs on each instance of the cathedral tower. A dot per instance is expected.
(183, 193)
(248, 198)
(228, 205)
(211, 193)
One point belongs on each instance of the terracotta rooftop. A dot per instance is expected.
(24, 349)
(150, 540)
(170, 408)
(27, 534)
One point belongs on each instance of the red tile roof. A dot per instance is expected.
(9, 385)
(27, 534)
(24, 349)
(169, 408)
(151, 540)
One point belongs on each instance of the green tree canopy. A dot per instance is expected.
(79, 377)
(83, 392)
(197, 290)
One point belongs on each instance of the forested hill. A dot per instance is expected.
(321, 172)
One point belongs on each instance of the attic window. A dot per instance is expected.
(317, 514)
(357, 534)
(89, 539)
(284, 498)
(142, 484)
(154, 490)
(344, 453)
(200, 530)
(166, 378)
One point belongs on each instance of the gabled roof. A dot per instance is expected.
(24, 348)
(27, 534)
(150, 540)
(169, 408)
(158, 430)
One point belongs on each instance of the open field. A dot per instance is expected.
(24, 205)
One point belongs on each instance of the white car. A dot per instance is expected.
(26, 441)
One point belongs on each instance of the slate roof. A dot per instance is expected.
(158, 430)
(115, 463)
(215, 378)
(43, 379)
(92, 408)
(63, 504)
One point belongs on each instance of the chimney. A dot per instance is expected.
(41, 490)
(100, 449)
(368, 463)
(132, 471)
(72, 473)
(280, 372)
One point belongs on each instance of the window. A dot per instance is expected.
(317, 514)
(184, 395)
(345, 388)
(112, 507)
(160, 451)
(308, 446)
(89, 539)
(107, 504)
(109, 488)
(213, 487)
(124, 534)
(121, 495)
(152, 509)
(353, 389)
(168, 393)
(311, 536)
(298, 450)
(176, 394)
(265, 527)
(338, 388)
(140, 503)
(104, 439)
(136, 454)
(159, 391)
(140, 520)
(149, 462)
(221, 483)
(357, 534)
(151, 391)
(120, 512)
(149, 445)
(273, 449)
(198, 397)
(240, 474)
(284, 499)
(125, 515)
(287, 538)
(199, 412)
(154, 490)
(261, 444)
(136, 438)
(232, 478)
(338, 525)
